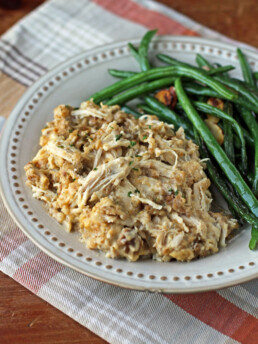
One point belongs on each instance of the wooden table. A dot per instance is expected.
(24, 317)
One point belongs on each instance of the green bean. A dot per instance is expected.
(246, 70)
(147, 109)
(194, 88)
(250, 178)
(222, 186)
(232, 201)
(134, 51)
(254, 237)
(242, 133)
(161, 72)
(202, 62)
(250, 88)
(252, 126)
(203, 107)
(143, 50)
(174, 62)
(216, 65)
(121, 73)
(240, 88)
(249, 140)
(206, 108)
(131, 111)
(220, 70)
(228, 134)
(233, 84)
(140, 90)
(218, 153)
(168, 115)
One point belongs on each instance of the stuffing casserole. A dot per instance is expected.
(131, 187)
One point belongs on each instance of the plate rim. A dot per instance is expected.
(8, 129)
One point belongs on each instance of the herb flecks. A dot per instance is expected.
(129, 193)
(118, 137)
(173, 192)
(136, 191)
(95, 169)
(135, 169)
(130, 163)
(144, 137)
(132, 143)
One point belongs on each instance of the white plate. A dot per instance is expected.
(71, 83)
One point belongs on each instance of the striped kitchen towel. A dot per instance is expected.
(54, 32)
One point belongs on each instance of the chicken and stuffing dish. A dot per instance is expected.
(131, 187)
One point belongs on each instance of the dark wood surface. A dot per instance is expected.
(24, 317)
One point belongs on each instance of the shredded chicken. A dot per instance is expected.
(131, 187)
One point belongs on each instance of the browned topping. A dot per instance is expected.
(167, 97)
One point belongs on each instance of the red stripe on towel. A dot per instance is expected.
(10, 241)
(37, 271)
(132, 11)
(220, 314)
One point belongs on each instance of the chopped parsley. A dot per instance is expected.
(95, 169)
(111, 127)
(145, 118)
(74, 179)
(135, 169)
(130, 163)
(129, 193)
(118, 137)
(136, 191)
(174, 192)
(132, 143)
(71, 145)
(149, 126)
(144, 137)
(67, 106)
(70, 130)
(138, 156)
(60, 146)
